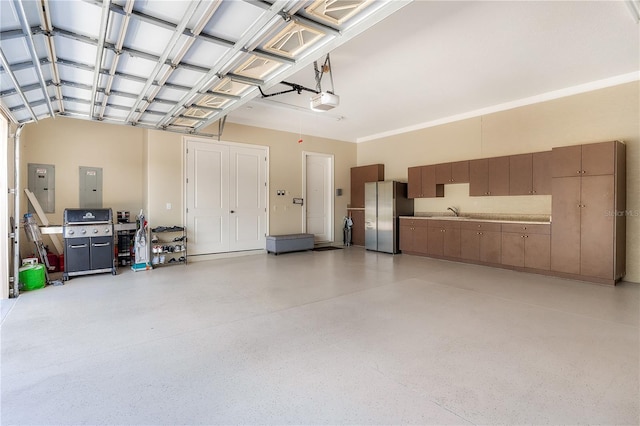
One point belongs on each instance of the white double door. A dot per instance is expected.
(226, 193)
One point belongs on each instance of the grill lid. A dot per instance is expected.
(87, 216)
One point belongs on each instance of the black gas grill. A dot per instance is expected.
(88, 242)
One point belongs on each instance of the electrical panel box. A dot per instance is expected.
(90, 187)
(41, 181)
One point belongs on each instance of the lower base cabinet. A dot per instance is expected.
(443, 238)
(357, 230)
(413, 236)
(481, 241)
(526, 246)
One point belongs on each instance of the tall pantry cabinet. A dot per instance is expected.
(588, 207)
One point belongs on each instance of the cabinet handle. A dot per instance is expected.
(526, 236)
(533, 192)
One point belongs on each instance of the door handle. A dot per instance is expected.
(77, 246)
(101, 244)
(232, 211)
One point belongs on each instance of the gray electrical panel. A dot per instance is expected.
(42, 182)
(90, 187)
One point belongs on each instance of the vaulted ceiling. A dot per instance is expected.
(397, 65)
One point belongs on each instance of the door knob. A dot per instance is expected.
(233, 211)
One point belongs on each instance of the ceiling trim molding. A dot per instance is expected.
(548, 96)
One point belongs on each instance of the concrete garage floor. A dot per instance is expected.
(334, 337)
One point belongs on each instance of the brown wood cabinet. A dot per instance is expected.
(530, 174)
(526, 246)
(481, 241)
(422, 182)
(456, 172)
(585, 160)
(443, 238)
(413, 236)
(588, 237)
(489, 176)
(357, 231)
(360, 175)
(541, 180)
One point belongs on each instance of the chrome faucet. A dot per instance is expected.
(455, 211)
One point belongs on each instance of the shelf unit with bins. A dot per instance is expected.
(168, 245)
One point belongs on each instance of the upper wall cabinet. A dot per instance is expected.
(360, 175)
(457, 172)
(422, 183)
(579, 160)
(489, 176)
(530, 174)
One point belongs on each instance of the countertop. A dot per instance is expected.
(486, 217)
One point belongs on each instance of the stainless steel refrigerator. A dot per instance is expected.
(384, 203)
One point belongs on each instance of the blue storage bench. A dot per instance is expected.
(286, 243)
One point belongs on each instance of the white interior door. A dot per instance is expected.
(247, 199)
(318, 196)
(226, 197)
(207, 198)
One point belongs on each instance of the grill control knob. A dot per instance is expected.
(95, 231)
(84, 231)
(71, 232)
(107, 230)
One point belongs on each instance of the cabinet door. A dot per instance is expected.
(469, 244)
(460, 172)
(360, 175)
(435, 242)
(598, 159)
(597, 226)
(420, 238)
(565, 231)
(443, 173)
(566, 161)
(478, 177)
(499, 176)
(406, 238)
(414, 186)
(357, 188)
(429, 181)
(513, 249)
(537, 251)
(490, 246)
(521, 174)
(541, 171)
(357, 231)
(451, 244)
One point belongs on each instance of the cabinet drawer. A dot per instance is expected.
(481, 226)
(444, 224)
(527, 228)
(414, 223)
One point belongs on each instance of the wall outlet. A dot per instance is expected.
(168, 206)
